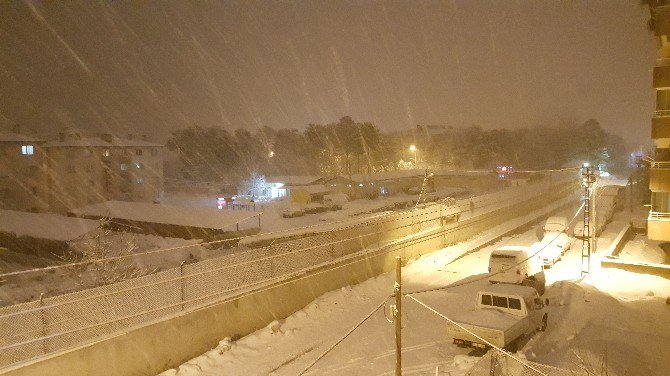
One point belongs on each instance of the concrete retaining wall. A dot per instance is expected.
(661, 270)
(154, 347)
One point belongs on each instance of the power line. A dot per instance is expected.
(475, 335)
(344, 336)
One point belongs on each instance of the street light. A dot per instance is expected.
(412, 148)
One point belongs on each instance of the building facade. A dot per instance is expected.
(75, 170)
(22, 172)
(658, 222)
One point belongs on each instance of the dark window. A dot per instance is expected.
(499, 301)
(514, 303)
(138, 152)
(486, 299)
(502, 256)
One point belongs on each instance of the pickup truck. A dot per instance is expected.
(504, 315)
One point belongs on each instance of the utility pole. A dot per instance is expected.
(588, 178)
(397, 315)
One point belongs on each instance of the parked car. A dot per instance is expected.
(552, 248)
(517, 265)
(504, 315)
(292, 212)
(313, 208)
(556, 224)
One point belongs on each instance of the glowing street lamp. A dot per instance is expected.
(412, 148)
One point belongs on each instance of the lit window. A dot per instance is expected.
(106, 153)
(140, 180)
(138, 165)
(27, 150)
(124, 167)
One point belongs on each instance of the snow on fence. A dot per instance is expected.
(501, 364)
(33, 329)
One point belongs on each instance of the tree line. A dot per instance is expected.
(348, 147)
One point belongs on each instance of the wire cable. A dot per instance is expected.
(343, 337)
(476, 336)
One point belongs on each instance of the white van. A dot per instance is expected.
(514, 264)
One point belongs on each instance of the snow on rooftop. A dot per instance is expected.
(45, 226)
(124, 142)
(82, 141)
(293, 180)
(314, 189)
(15, 137)
(201, 217)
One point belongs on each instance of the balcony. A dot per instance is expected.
(659, 177)
(662, 77)
(658, 226)
(660, 131)
(661, 20)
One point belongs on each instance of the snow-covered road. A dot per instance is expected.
(609, 312)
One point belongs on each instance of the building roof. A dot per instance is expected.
(79, 142)
(201, 217)
(388, 175)
(15, 137)
(293, 180)
(124, 142)
(45, 226)
(313, 189)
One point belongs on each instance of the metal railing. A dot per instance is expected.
(659, 215)
(661, 164)
(662, 113)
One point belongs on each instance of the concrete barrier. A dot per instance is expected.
(661, 270)
(162, 344)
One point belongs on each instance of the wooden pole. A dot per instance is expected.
(398, 316)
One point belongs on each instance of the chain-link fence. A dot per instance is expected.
(495, 363)
(51, 324)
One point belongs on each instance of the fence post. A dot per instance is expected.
(398, 316)
(182, 283)
(43, 319)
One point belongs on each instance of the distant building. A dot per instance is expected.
(658, 222)
(22, 172)
(73, 170)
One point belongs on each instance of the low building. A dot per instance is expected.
(307, 194)
(40, 234)
(186, 222)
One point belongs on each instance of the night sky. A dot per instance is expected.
(155, 66)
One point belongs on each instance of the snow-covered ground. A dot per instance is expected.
(610, 314)
(272, 220)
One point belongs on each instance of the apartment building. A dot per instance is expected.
(22, 167)
(658, 222)
(73, 170)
